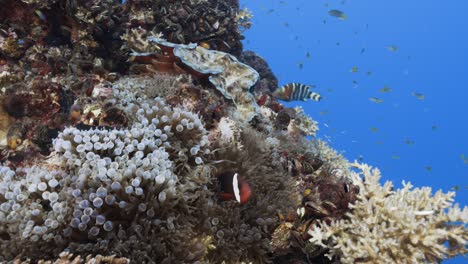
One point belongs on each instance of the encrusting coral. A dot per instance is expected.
(141, 131)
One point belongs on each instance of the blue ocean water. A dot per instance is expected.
(417, 48)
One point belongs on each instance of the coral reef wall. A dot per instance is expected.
(143, 132)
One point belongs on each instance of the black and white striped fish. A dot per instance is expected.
(296, 92)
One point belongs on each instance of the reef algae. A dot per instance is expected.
(118, 126)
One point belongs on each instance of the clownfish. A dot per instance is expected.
(233, 187)
(296, 92)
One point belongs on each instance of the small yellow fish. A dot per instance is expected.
(374, 129)
(354, 69)
(323, 112)
(395, 157)
(392, 48)
(378, 142)
(385, 89)
(338, 14)
(376, 100)
(420, 96)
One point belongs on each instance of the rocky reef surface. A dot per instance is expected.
(143, 132)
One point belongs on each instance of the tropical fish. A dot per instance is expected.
(296, 92)
(456, 187)
(308, 55)
(374, 129)
(300, 65)
(368, 73)
(376, 100)
(464, 158)
(233, 187)
(385, 89)
(354, 69)
(395, 157)
(338, 14)
(428, 168)
(409, 142)
(392, 48)
(434, 127)
(420, 96)
(363, 50)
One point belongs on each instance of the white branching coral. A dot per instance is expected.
(308, 126)
(403, 226)
(332, 158)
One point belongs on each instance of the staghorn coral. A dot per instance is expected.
(402, 226)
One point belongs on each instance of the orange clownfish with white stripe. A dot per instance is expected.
(234, 187)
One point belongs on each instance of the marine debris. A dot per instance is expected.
(143, 132)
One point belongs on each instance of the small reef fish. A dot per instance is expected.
(233, 187)
(420, 96)
(392, 48)
(385, 89)
(374, 129)
(296, 92)
(338, 14)
(376, 100)
(396, 157)
(464, 158)
(354, 69)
